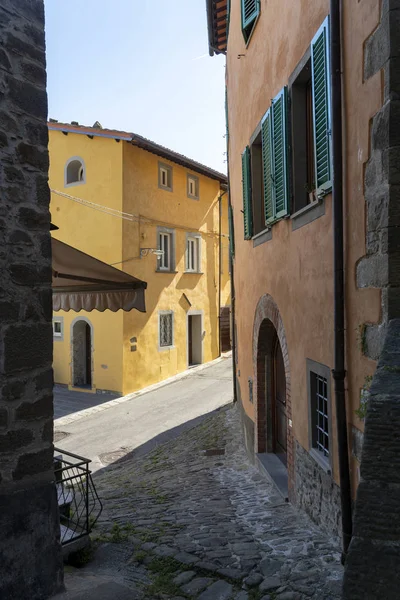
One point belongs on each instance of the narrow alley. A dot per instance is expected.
(194, 519)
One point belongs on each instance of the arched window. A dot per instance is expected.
(75, 172)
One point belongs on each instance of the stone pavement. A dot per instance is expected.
(194, 519)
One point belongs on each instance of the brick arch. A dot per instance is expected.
(268, 326)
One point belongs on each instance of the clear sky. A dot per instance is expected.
(140, 66)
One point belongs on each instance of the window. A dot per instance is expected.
(58, 328)
(193, 187)
(193, 253)
(166, 329)
(310, 114)
(250, 12)
(246, 184)
(319, 408)
(165, 177)
(74, 172)
(256, 170)
(166, 243)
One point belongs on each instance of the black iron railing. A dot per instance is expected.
(78, 502)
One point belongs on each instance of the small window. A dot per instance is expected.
(166, 262)
(166, 333)
(75, 172)
(193, 187)
(165, 177)
(58, 328)
(319, 407)
(250, 12)
(193, 254)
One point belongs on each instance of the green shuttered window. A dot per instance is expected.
(246, 183)
(275, 159)
(266, 141)
(321, 108)
(250, 12)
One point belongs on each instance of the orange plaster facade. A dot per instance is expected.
(295, 267)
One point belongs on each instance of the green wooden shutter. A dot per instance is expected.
(246, 182)
(231, 231)
(321, 107)
(266, 140)
(228, 17)
(250, 10)
(279, 154)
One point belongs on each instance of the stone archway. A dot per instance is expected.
(268, 331)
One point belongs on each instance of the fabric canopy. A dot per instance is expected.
(81, 282)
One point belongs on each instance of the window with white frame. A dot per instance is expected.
(165, 177)
(165, 243)
(193, 254)
(193, 187)
(58, 328)
(319, 410)
(166, 329)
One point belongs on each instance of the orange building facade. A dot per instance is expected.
(280, 120)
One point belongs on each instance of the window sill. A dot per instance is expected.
(193, 273)
(166, 271)
(164, 348)
(166, 189)
(193, 197)
(262, 237)
(308, 214)
(321, 460)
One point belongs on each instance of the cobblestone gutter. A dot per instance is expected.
(194, 519)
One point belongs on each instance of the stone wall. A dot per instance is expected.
(31, 564)
(317, 493)
(372, 566)
(380, 267)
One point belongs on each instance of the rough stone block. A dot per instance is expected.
(377, 48)
(3, 417)
(34, 463)
(31, 155)
(373, 271)
(9, 311)
(29, 274)
(27, 98)
(14, 440)
(35, 351)
(374, 336)
(29, 544)
(39, 409)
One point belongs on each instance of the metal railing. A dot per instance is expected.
(78, 502)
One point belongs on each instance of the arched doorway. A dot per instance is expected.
(272, 394)
(81, 353)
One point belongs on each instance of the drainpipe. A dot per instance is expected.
(220, 270)
(339, 372)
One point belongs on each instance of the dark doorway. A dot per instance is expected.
(194, 340)
(82, 354)
(279, 404)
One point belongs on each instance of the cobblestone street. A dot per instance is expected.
(194, 519)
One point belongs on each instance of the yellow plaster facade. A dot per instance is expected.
(125, 347)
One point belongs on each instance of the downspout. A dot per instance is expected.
(339, 372)
(220, 270)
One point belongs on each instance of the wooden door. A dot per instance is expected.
(279, 405)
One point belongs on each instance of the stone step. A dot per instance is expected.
(94, 587)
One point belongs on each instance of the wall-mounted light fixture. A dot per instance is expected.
(146, 251)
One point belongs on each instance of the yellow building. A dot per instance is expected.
(156, 215)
